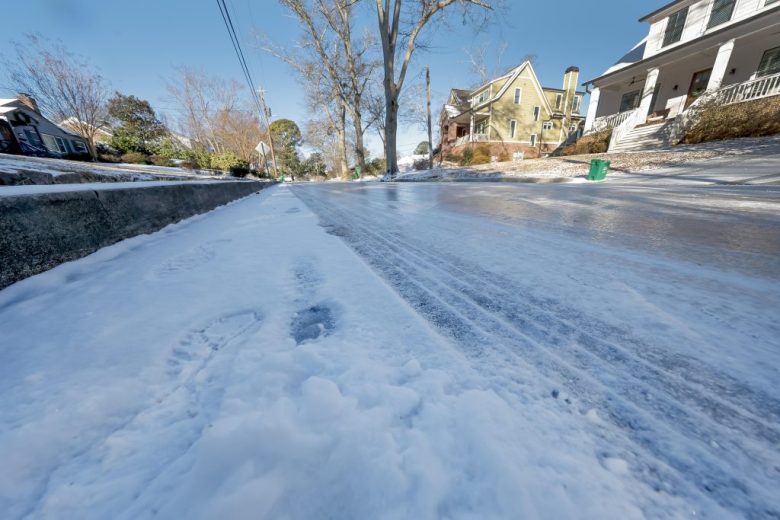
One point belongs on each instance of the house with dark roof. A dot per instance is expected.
(24, 130)
(696, 51)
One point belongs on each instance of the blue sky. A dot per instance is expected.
(136, 43)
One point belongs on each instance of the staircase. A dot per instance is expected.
(642, 138)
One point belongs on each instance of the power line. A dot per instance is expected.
(261, 107)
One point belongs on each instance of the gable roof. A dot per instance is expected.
(513, 75)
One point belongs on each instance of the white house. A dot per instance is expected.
(694, 47)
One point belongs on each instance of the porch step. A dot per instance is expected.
(642, 138)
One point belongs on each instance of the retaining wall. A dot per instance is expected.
(39, 231)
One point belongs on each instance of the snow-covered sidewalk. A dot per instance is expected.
(246, 364)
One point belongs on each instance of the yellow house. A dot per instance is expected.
(513, 113)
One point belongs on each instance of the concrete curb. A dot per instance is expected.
(40, 231)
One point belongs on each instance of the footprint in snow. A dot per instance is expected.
(312, 323)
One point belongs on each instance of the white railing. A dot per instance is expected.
(634, 118)
(607, 122)
(476, 138)
(749, 90)
(739, 93)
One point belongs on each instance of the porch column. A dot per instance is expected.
(593, 107)
(721, 65)
(471, 128)
(647, 93)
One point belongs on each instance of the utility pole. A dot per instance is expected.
(266, 118)
(430, 130)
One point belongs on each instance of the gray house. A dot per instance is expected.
(23, 130)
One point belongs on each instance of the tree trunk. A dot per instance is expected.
(360, 151)
(391, 123)
(430, 130)
(341, 130)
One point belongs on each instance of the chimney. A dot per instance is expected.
(570, 78)
(28, 101)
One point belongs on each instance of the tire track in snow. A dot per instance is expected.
(476, 310)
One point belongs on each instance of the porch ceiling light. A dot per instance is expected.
(733, 71)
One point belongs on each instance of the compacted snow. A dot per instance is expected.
(246, 364)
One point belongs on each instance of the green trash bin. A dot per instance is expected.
(598, 170)
(356, 175)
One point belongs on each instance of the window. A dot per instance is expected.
(481, 97)
(572, 128)
(533, 139)
(537, 111)
(481, 127)
(512, 128)
(770, 63)
(33, 139)
(630, 101)
(721, 12)
(518, 95)
(547, 125)
(79, 146)
(575, 105)
(674, 27)
(558, 101)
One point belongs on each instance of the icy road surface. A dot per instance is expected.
(534, 352)
(656, 306)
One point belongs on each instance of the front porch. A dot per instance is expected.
(739, 69)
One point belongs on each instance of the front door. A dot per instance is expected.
(698, 86)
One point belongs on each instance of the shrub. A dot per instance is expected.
(504, 156)
(187, 165)
(597, 142)
(421, 164)
(135, 158)
(226, 161)
(108, 158)
(750, 119)
(239, 170)
(452, 157)
(468, 157)
(159, 160)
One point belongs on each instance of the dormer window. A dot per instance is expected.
(721, 12)
(482, 97)
(575, 105)
(558, 101)
(674, 26)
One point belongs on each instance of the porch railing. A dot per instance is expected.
(477, 138)
(607, 122)
(730, 94)
(749, 90)
(632, 119)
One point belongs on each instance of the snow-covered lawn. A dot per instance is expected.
(18, 169)
(246, 364)
(577, 165)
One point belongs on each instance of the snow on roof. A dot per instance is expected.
(5, 110)
(635, 55)
(7, 101)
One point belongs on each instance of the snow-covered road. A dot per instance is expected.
(654, 306)
(525, 351)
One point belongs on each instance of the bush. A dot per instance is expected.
(159, 160)
(468, 157)
(239, 170)
(135, 158)
(453, 157)
(750, 119)
(481, 155)
(421, 164)
(108, 158)
(597, 142)
(187, 165)
(504, 156)
(226, 161)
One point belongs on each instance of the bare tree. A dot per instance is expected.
(215, 115)
(62, 85)
(346, 61)
(403, 26)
